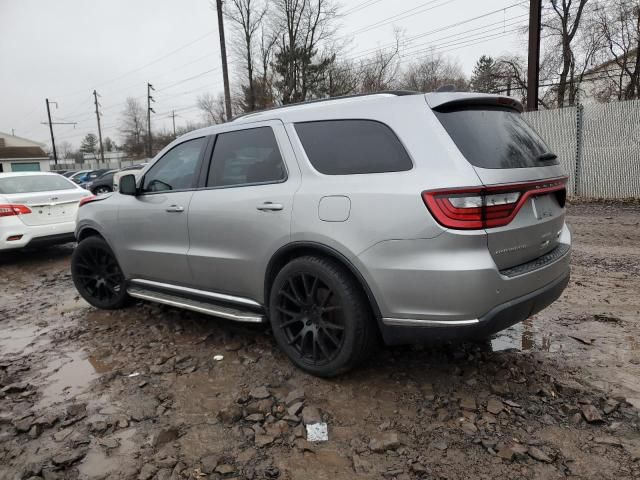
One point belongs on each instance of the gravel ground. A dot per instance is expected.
(141, 393)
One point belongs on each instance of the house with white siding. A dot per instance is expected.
(19, 154)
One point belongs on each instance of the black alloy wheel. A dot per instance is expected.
(97, 275)
(320, 317)
(313, 321)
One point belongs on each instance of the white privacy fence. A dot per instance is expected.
(598, 146)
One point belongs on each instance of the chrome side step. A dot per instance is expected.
(207, 308)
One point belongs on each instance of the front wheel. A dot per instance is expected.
(101, 190)
(97, 275)
(320, 317)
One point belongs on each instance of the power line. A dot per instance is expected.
(402, 15)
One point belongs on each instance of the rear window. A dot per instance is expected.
(495, 138)
(347, 147)
(34, 183)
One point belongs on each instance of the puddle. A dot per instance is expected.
(525, 336)
(15, 339)
(72, 375)
(98, 464)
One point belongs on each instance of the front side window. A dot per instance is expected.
(348, 147)
(176, 170)
(246, 157)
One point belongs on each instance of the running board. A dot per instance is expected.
(207, 308)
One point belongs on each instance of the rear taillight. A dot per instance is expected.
(9, 210)
(487, 207)
(85, 200)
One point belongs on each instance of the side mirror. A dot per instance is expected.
(128, 185)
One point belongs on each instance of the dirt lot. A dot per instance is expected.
(138, 394)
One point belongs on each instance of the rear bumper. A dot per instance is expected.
(406, 331)
(36, 235)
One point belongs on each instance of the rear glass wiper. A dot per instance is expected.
(545, 157)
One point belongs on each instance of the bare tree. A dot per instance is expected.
(620, 27)
(379, 72)
(304, 26)
(513, 70)
(213, 109)
(133, 126)
(432, 72)
(561, 29)
(246, 18)
(65, 149)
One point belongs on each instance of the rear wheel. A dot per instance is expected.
(320, 317)
(97, 275)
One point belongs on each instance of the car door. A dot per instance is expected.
(242, 215)
(153, 237)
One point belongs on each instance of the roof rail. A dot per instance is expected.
(398, 93)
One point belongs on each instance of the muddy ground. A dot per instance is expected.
(138, 394)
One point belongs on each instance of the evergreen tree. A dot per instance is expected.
(486, 75)
(89, 143)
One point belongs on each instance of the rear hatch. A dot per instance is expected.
(524, 196)
(59, 204)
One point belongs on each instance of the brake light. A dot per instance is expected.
(9, 210)
(85, 200)
(487, 207)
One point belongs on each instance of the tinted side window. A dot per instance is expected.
(346, 147)
(246, 157)
(176, 170)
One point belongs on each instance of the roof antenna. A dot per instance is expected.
(447, 88)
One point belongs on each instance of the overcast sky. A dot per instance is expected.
(65, 49)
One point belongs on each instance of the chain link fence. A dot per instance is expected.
(598, 145)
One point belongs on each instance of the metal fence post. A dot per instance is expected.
(579, 128)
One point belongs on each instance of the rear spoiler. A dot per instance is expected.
(445, 101)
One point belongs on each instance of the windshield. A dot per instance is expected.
(495, 138)
(34, 183)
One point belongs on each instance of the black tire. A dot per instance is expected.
(320, 317)
(97, 275)
(102, 190)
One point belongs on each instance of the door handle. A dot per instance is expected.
(270, 207)
(175, 208)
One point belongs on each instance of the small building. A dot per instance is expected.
(19, 154)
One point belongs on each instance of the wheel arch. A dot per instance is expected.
(87, 232)
(299, 249)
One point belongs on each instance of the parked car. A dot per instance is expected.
(37, 208)
(101, 185)
(133, 169)
(78, 176)
(89, 176)
(68, 173)
(404, 217)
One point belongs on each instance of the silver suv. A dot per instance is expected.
(393, 216)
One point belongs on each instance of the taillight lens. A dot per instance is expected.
(10, 210)
(86, 200)
(487, 207)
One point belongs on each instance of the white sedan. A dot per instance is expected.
(37, 208)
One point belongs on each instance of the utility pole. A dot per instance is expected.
(149, 110)
(95, 100)
(173, 118)
(53, 141)
(533, 67)
(51, 124)
(223, 54)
